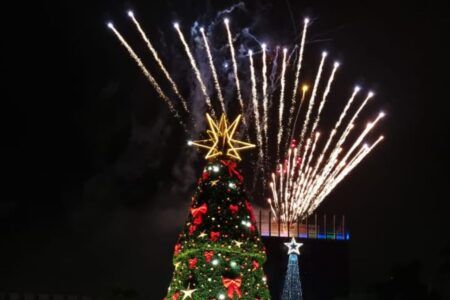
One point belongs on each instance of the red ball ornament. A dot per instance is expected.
(205, 176)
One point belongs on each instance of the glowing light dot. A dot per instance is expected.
(337, 64)
(371, 94)
(382, 114)
(215, 169)
(226, 21)
(324, 53)
(233, 264)
(110, 25)
(189, 143)
(215, 262)
(176, 25)
(250, 52)
(305, 88)
(285, 50)
(202, 29)
(306, 20)
(221, 296)
(130, 13)
(357, 88)
(264, 46)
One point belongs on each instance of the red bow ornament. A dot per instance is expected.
(193, 263)
(214, 235)
(234, 208)
(233, 286)
(192, 229)
(198, 212)
(208, 255)
(232, 169)
(177, 248)
(176, 296)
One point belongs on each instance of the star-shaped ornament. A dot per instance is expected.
(293, 246)
(202, 235)
(188, 292)
(214, 182)
(221, 142)
(177, 265)
(239, 244)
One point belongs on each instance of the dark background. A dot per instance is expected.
(96, 179)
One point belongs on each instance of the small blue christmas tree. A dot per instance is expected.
(292, 289)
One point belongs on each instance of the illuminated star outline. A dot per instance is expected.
(293, 246)
(221, 141)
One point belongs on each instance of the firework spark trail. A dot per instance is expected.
(297, 73)
(312, 98)
(334, 179)
(369, 127)
(213, 70)
(265, 100)
(349, 126)
(351, 166)
(304, 90)
(256, 107)
(158, 60)
(353, 119)
(194, 68)
(235, 68)
(334, 166)
(281, 107)
(336, 127)
(325, 94)
(147, 74)
(308, 163)
(341, 117)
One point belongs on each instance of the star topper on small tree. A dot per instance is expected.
(221, 141)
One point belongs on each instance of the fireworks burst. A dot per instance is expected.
(307, 169)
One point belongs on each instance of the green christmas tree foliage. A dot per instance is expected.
(219, 254)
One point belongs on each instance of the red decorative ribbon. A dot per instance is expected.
(250, 211)
(233, 286)
(232, 169)
(255, 265)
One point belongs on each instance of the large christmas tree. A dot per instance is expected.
(219, 254)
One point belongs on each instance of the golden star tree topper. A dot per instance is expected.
(221, 140)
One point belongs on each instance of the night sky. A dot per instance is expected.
(97, 176)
